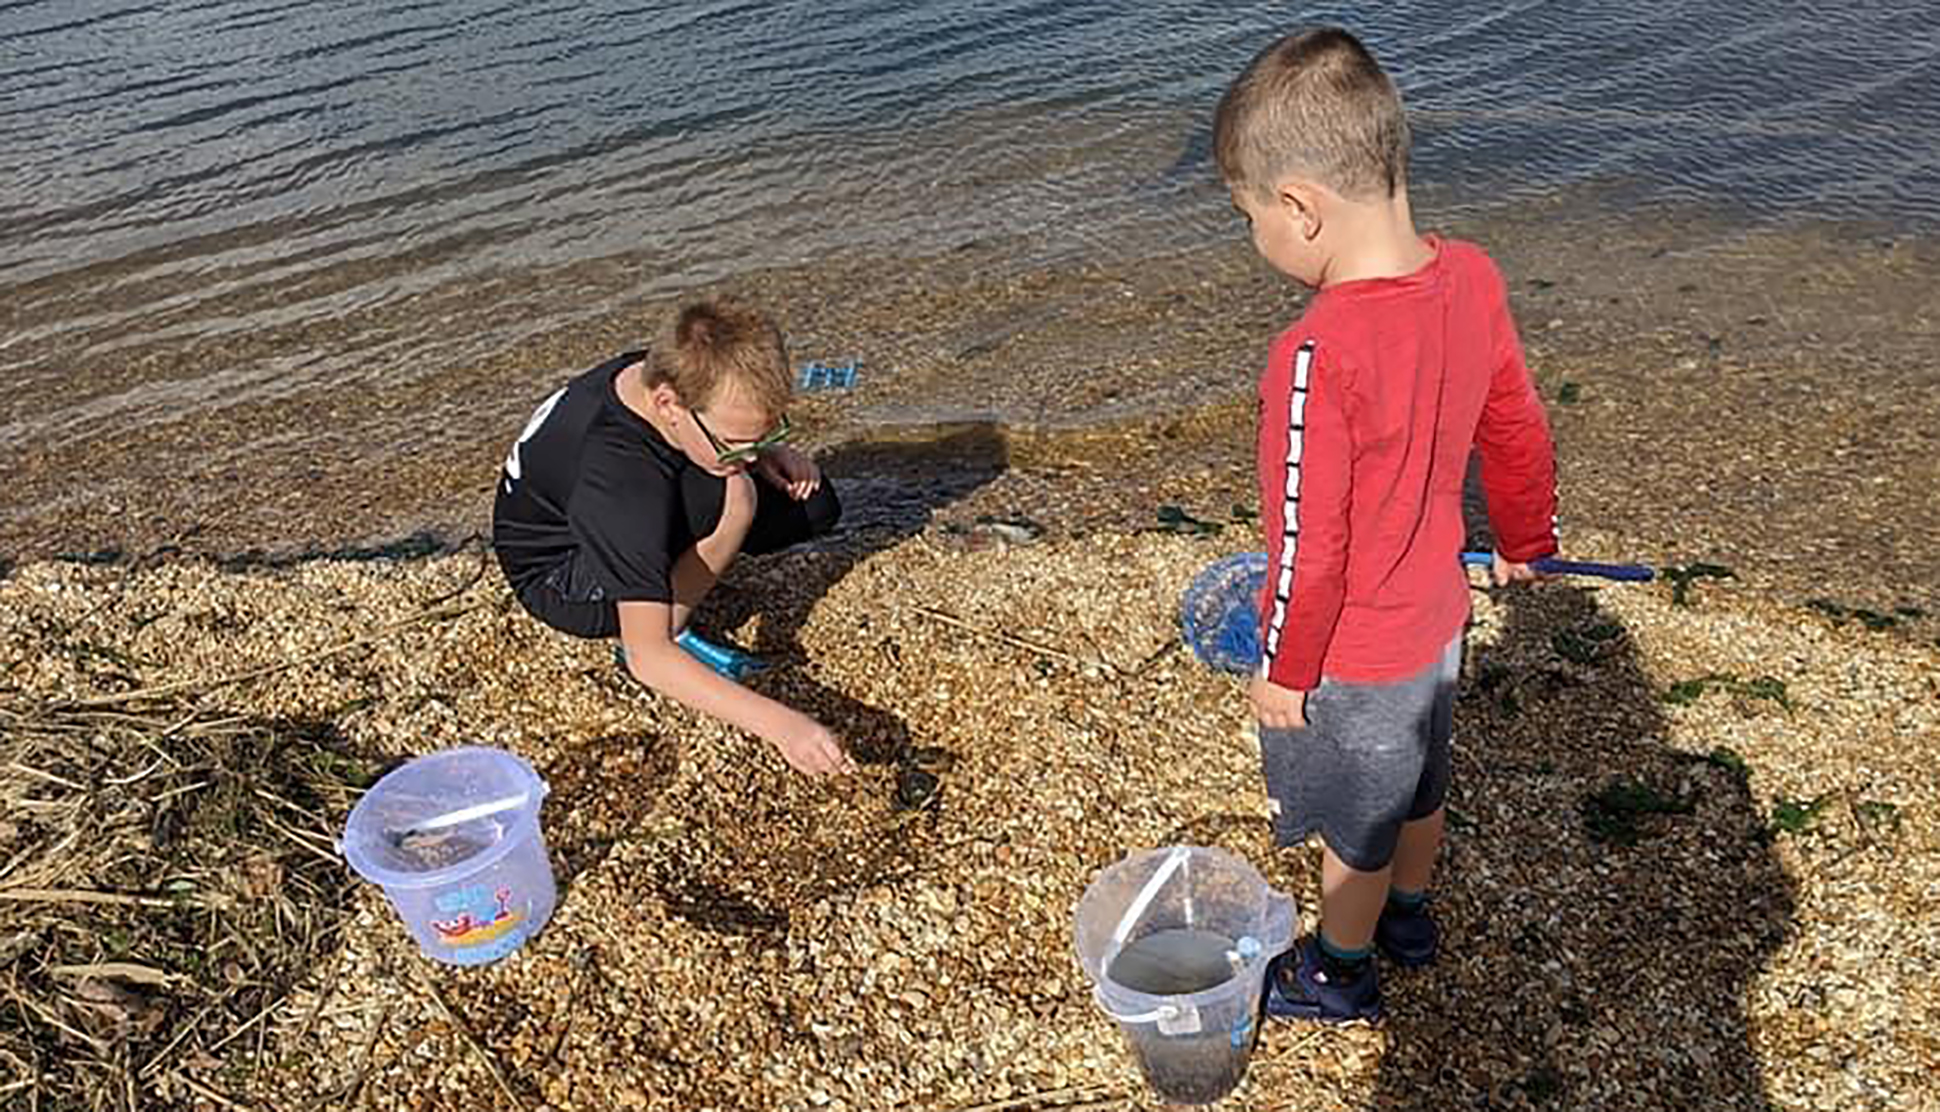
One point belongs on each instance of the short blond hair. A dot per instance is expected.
(719, 346)
(1315, 105)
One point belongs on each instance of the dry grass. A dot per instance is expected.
(1658, 894)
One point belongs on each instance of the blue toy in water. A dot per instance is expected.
(1219, 616)
(818, 376)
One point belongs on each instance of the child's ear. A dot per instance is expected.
(1300, 200)
(661, 395)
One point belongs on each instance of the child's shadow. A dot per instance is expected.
(1607, 900)
(889, 489)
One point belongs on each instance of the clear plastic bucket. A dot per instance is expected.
(453, 839)
(1176, 942)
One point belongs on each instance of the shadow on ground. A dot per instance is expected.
(1607, 899)
(890, 490)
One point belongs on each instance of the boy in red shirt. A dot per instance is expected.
(1369, 406)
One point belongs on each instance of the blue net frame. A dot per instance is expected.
(1219, 615)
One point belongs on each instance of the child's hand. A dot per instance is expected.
(738, 502)
(1504, 573)
(1277, 707)
(810, 747)
(789, 470)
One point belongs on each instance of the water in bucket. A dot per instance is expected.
(1176, 943)
(453, 839)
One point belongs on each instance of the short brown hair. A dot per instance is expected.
(720, 346)
(1314, 104)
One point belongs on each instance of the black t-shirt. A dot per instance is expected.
(590, 480)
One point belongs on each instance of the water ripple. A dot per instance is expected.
(226, 165)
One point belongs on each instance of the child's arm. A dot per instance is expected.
(1306, 484)
(699, 568)
(1518, 456)
(654, 660)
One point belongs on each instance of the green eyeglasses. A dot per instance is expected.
(745, 452)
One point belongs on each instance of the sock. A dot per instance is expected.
(1343, 966)
(1406, 903)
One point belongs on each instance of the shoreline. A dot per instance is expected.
(1764, 400)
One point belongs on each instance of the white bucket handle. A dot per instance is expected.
(1163, 1011)
(1147, 894)
(462, 815)
(476, 811)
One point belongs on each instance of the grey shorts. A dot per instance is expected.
(1373, 756)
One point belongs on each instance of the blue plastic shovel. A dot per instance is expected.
(729, 662)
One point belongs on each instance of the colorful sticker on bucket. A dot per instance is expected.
(479, 917)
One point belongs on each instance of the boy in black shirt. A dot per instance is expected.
(634, 486)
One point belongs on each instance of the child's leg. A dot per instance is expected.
(779, 521)
(1350, 903)
(1369, 773)
(1414, 853)
(1421, 834)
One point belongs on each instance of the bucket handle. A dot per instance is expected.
(1163, 1011)
(462, 815)
(1147, 894)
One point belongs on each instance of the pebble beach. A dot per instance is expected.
(281, 285)
(733, 936)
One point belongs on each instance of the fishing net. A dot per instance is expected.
(1219, 614)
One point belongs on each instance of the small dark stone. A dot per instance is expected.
(915, 788)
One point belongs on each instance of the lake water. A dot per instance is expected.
(178, 171)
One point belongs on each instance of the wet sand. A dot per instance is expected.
(1766, 401)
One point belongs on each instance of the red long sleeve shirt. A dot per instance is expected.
(1369, 407)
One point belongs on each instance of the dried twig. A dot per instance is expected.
(1157, 655)
(478, 572)
(1009, 638)
(1069, 1096)
(208, 1094)
(47, 776)
(353, 1089)
(73, 895)
(187, 1029)
(119, 971)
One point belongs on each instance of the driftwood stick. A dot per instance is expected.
(118, 971)
(1039, 648)
(1079, 1095)
(76, 895)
